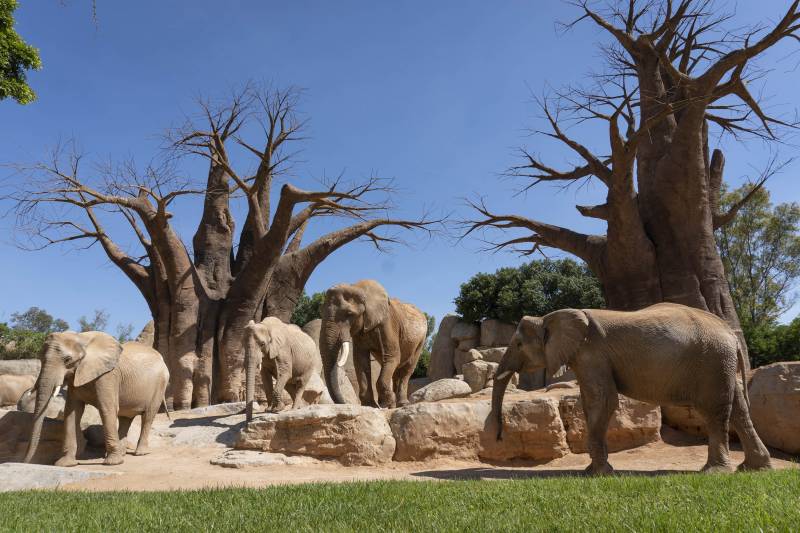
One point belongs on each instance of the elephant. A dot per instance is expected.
(665, 354)
(283, 352)
(120, 380)
(13, 387)
(363, 319)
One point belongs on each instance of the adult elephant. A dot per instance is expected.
(362, 319)
(285, 353)
(121, 380)
(664, 354)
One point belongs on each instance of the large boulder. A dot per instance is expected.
(441, 389)
(20, 367)
(458, 430)
(478, 373)
(15, 429)
(633, 424)
(441, 365)
(148, 334)
(353, 435)
(493, 355)
(462, 357)
(465, 331)
(684, 418)
(496, 333)
(775, 405)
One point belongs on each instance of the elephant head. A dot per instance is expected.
(540, 342)
(349, 310)
(263, 339)
(83, 357)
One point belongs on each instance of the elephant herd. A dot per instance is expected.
(666, 354)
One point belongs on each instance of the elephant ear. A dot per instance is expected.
(101, 355)
(277, 340)
(564, 332)
(376, 303)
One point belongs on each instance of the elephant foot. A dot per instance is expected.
(67, 461)
(402, 403)
(755, 465)
(716, 469)
(142, 450)
(599, 469)
(112, 460)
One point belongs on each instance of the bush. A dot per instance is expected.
(421, 370)
(20, 343)
(534, 289)
(308, 308)
(773, 342)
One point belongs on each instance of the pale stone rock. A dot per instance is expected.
(148, 334)
(477, 373)
(775, 405)
(633, 424)
(493, 355)
(462, 357)
(684, 418)
(251, 458)
(353, 435)
(467, 344)
(20, 476)
(20, 367)
(496, 333)
(441, 389)
(463, 331)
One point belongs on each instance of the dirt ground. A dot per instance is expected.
(177, 468)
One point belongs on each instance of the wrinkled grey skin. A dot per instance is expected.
(284, 353)
(120, 380)
(665, 354)
(363, 318)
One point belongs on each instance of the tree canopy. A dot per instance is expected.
(307, 308)
(534, 289)
(16, 57)
(37, 320)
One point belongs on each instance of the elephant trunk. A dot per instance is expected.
(335, 347)
(505, 371)
(47, 386)
(251, 358)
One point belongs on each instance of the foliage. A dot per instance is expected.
(765, 501)
(308, 308)
(20, 343)
(16, 57)
(421, 370)
(37, 320)
(760, 250)
(125, 332)
(98, 322)
(534, 289)
(771, 342)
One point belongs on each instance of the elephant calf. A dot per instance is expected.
(283, 352)
(121, 380)
(663, 354)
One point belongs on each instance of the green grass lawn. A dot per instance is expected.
(740, 502)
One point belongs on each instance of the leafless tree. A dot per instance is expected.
(672, 71)
(202, 296)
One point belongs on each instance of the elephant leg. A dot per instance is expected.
(300, 388)
(389, 363)
(363, 367)
(108, 405)
(401, 377)
(756, 456)
(143, 446)
(717, 423)
(276, 403)
(124, 425)
(599, 402)
(73, 411)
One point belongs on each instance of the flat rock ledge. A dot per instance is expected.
(21, 476)
(538, 426)
(251, 458)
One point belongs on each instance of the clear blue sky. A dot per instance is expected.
(434, 94)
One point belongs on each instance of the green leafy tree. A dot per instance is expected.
(125, 332)
(534, 289)
(37, 320)
(98, 322)
(16, 57)
(421, 370)
(760, 249)
(20, 343)
(308, 308)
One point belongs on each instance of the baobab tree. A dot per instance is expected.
(202, 294)
(673, 74)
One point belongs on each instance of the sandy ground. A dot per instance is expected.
(189, 468)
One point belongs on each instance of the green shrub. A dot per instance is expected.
(534, 289)
(772, 342)
(19, 343)
(308, 308)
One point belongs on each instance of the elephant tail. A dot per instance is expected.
(166, 410)
(740, 357)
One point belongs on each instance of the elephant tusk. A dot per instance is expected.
(561, 371)
(504, 375)
(343, 353)
(58, 389)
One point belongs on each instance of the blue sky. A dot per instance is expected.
(434, 94)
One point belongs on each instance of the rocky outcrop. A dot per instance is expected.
(21, 367)
(148, 334)
(442, 389)
(496, 333)
(493, 355)
(775, 405)
(353, 435)
(441, 365)
(634, 423)
(684, 418)
(478, 373)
